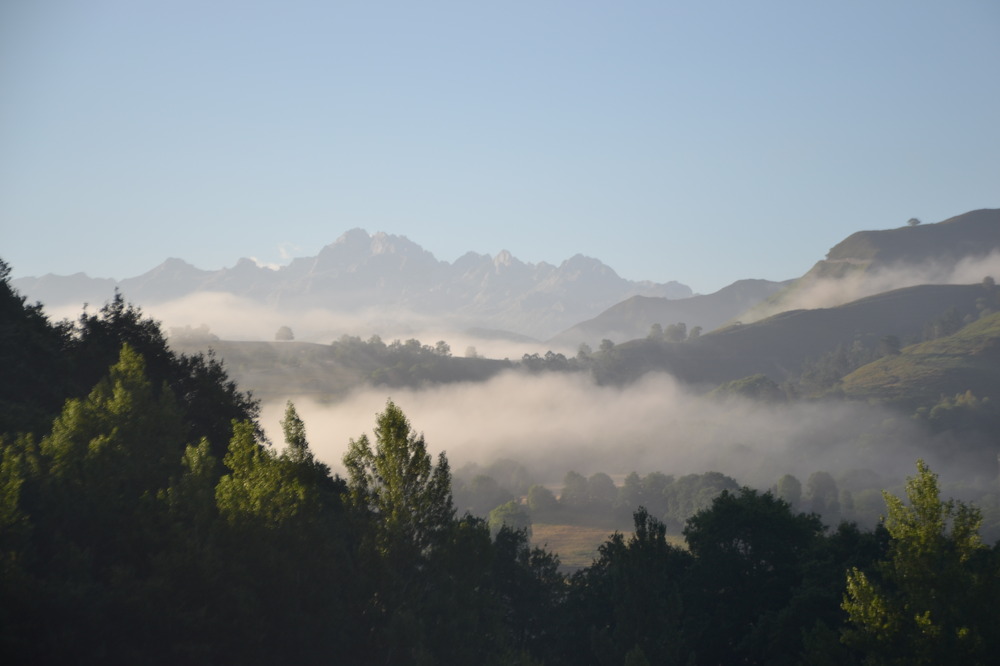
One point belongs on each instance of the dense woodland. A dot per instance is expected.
(145, 519)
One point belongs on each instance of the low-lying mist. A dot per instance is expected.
(830, 292)
(231, 317)
(560, 422)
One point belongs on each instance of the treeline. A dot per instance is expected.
(144, 519)
(411, 363)
(597, 501)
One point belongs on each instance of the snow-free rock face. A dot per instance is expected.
(382, 271)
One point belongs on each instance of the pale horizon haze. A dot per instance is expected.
(697, 142)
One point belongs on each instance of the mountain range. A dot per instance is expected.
(382, 272)
(579, 301)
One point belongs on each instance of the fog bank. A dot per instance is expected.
(812, 293)
(557, 422)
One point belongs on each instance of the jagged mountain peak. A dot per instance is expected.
(173, 266)
(581, 263)
(504, 259)
(354, 236)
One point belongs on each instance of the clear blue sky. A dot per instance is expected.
(700, 141)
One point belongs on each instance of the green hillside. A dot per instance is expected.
(975, 233)
(779, 346)
(965, 361)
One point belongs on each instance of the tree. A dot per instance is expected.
(913, 222)
(789, 489)
(749, 552)
(408, 497)
(31, 384)
(284, 333)
(823, 496)
(541, 500)
(512, 515)
(889, 345)
(575, 492)
(676, 332)
(629, 601)
(930, 601)
(482, 495)
(601, 490)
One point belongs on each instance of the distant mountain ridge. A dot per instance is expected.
(361, 271)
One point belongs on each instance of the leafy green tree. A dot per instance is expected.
(404, 504)
(481, 495)
(541, 500)
(31, 354)
(575, 492)
(789, 489)
(930, 601)
(630, 495)
(749, 551)
(822, 496)
(602, 490)
(676, 332)
(282, 514)
(396, 482)
(109, 454)
(629, 601)
(889, 345)
(89, 491)
(210, 400)
(692, 493)
(530, 590)
(512, 515)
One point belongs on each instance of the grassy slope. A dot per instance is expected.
(777, 346)
(967, 360)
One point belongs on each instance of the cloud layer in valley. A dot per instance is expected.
(812, 293)
(554, 423)
(231, 317)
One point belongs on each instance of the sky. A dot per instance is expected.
(699, 142)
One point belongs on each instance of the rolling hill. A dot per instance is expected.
(779, 346)
(968, 360)
(633, 317)
(959, 250)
